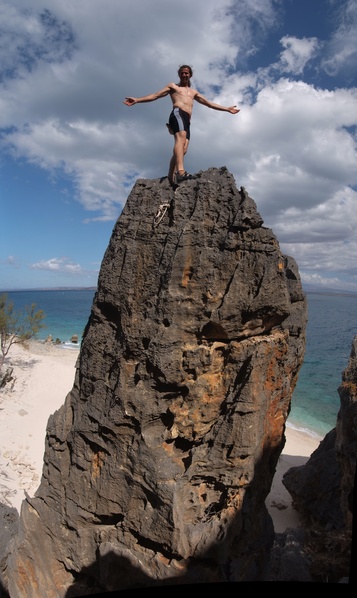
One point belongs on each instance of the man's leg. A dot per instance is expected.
(180, 149)
(172, 168)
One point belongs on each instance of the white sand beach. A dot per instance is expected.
(43, 375)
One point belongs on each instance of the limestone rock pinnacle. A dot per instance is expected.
(157, 466)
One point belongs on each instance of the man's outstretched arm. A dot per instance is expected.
(130, 101)
(202, 100)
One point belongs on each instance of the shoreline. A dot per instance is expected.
(43, 376)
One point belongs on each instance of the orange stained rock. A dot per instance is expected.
(97, 462)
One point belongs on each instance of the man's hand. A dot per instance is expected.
(233, 110)
(129, 101)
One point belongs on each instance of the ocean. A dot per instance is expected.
(332, 325)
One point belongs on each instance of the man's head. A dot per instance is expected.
(185, 73)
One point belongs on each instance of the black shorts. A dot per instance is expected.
(180, 121)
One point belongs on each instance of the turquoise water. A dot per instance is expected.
(67, 311)
(331, 328)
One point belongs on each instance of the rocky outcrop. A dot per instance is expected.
(322, 489)
(316, 486)
(346, 435)
(9, 519)
(157, 466)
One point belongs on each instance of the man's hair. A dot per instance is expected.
(186, 66)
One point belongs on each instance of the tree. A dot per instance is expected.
(17, 327)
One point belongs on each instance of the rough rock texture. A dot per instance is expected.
(322, 489)
(346, 434)
(316, 486)
(9, 520)
(157, 466)
(289, 559)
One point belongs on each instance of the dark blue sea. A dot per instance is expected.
(331, 328)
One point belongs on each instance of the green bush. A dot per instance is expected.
(17, 327)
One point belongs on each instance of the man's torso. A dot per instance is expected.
(182, 97)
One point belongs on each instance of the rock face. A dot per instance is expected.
(346, 435)
(158, 464)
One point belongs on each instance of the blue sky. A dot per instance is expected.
(70, 150)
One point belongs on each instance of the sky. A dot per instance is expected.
(71, 151)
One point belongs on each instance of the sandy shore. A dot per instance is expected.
(43, 376)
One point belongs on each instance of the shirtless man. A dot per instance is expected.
(182, 97)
